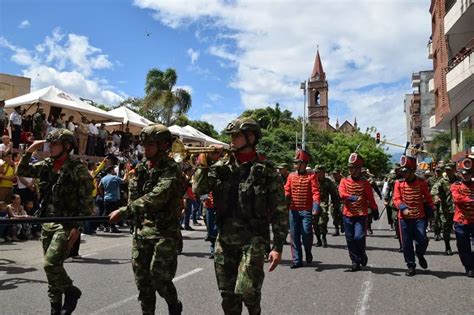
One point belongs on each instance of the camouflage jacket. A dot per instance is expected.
(390, 186)
(328, 188)
(441, 189)
(155, 198)
(66, 193)
(248, 197)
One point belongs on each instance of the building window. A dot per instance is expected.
(465, 124)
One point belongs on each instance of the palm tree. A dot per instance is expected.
(161, 100)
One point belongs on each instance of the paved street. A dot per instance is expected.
(105, 278)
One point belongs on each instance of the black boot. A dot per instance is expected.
(318, 243)
(336, 233)
(71, 295)
(175, 309)
(422, 261)
(470, 273)
(355, 267)
(437, 237)
(56, 308)
(325, 242)
(410, 272)
(447, 246)
(342, 228)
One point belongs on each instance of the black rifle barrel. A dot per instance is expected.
(29, 220)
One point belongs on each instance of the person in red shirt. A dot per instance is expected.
(463, 197)
(412, 198)
(302, 194)
(357, 195)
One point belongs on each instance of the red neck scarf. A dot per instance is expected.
(58, 163)
(245, 157)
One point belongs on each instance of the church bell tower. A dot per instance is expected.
(318, 111)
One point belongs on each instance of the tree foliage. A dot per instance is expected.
(441, 146)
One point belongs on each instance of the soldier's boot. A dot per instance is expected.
(319, 243)
(324, 241)
(176, 308)
(447, 246)
(56, 308)
(342, 228)
(336, 233)
(71, 295)
(437, 237)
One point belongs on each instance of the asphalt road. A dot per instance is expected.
(105, 277)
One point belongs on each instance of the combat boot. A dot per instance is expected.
(325, 242)
(448, 250)
(470, 273)
(56, 308)
(342, 228)
(318, 243)
(176, 308)
(410, 272)
(336, 233)
(437, 237)
(71, 295)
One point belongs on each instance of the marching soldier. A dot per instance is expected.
(336, 213)
(248, 197)
(155, 195)
(444, 210)
(463, 195)
(358, 197)
(283, 171)
(66, 191)
(412, 198)
(370, 178)
(392, 211)
(302, 194)
(327, 188)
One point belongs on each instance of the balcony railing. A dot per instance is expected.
(448, 4)
(415, 122)
(465, 51)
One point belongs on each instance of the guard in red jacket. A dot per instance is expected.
(302, 194)
(358, 197)
(463, 197)
(412, 198)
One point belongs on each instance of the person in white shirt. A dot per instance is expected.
(70, 124)
(15, 124)
(6, 144)
(92, 138)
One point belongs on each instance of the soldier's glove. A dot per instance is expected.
(316, 208)
(375, 214)
(353, 198)
(402, 207)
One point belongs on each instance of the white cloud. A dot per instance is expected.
(69, 62)
(193, 54)
(214, 97)
(24, 24)
(272, 45)
(219, 120)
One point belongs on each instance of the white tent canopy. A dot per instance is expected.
(207, 139)
(51, 97)
(186, 137)
(131, 120)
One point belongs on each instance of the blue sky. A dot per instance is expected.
(231, 55)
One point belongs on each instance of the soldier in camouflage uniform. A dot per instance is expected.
(155, 195)
(444, 211)
(436, 223)
(327, 188)
(336, 213)
(248, 197)
(66, 191)
(388, 202)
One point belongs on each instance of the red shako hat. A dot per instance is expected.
(407, 162)
(355, 159)
(302, 156)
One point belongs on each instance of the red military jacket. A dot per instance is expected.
(463, 197)
(360, 188)
(414, 195)
(303, 190)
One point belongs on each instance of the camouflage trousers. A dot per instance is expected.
(239, 273)
(154, 263)
(55, 252)
(320, 221)
(443, 223)
(336, 213)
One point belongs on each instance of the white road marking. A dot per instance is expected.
(124, 301)
(364, 299)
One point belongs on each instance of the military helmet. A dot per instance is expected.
(155, 132)
(61, 135)
(243, 124)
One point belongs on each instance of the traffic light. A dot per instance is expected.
(377, 138)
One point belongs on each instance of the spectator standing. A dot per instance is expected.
(70, 124)
(7, 176)
(92, 138)
(60, 123)
(82, 132)
(2, 117)
(126, 140)
(15, 124)
(110, 188)
(27, 124)
(116, 138)
(101, 140)
(38, 124)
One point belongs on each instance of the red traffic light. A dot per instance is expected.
(377, 138)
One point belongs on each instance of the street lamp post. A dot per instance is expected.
(303, 128)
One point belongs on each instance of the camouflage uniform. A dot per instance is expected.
(66, 192)
(247, 197)
(336, 213)
(391, 209)
(444, 211)
(155, 196)
(327, 188)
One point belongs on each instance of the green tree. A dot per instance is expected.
(162, 102)
(441, 146)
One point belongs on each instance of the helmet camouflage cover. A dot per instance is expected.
(155, 132)
(61, 135)
(243, 124)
